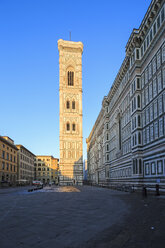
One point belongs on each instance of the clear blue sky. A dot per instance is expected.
(29, 71)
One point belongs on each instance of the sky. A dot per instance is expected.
(29, 62)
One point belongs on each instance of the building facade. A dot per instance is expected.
(47, 169)
(70, 91)
(25, 165)
(126, 144)
(8, 160)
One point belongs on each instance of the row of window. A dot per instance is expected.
(154, 131)
(136, 102)
(68, 128)
(10, 178)
(120, 173)
(3, 145)
(7, 166)
(136, 139)
(68, 104)
(135, 85)
(153, 66)
(137, 166)
(6, 155)
(27, 173)
(154, 168)
(26, 153)
(26, 166)
(154, 110)
(154, 88)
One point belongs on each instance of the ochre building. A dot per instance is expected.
(70, 92)
(8, 160)
(46, 169)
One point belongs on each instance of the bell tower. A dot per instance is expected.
(70, 94)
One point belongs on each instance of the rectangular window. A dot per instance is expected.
(151, 112)
(142, 80)
(143, 103)
(151, 132)
(3, 154)
(163, 53)
(158, 22)
(3, 165)
(156, 129)
(147, 169)
(148, 134)
(150, 70)
(154, 28)
(164, 101)
(146, 94)
(163, 77)
(146, 75)
(154, 65)
(141, 50)
(160, 127)
(144, 137)
(150, 35)
(155, 109)
(158, 60)
(160, 105)
(144, 46)
(153, 168)
(154, 87)
(150, 91)
(162, 15)
(147, 40)
(159, 82)
(160, 167)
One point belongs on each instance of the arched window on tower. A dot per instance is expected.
(67, 126)
(67, 104)
(73, 127)
(70, 78)
(73, 105)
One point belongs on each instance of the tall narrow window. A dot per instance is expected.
(138, 101)
(140, 166)
(119, 133)
(139, 121)
(139, 138)
(67, 126)
(73, 105)
(73, 127)
(68, 104)
(70, 78)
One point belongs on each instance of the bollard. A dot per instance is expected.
(144, 191)
(157, 190)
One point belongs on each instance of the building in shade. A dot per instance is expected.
(25, 165)
(126, 144)
(47, 169)
(70, 91)
(8, 160)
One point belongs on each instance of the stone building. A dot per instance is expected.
(46, 169)
(70, 91)
(25, 165)
(126, 144)
(8, 160)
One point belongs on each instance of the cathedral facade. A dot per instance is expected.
(70, 93)
(127, 142)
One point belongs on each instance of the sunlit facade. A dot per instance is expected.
(126, 144)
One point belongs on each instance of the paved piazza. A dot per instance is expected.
(80, 217)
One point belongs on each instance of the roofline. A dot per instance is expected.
(8, 143)
(21, 146)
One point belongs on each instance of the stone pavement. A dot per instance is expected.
(82, 217)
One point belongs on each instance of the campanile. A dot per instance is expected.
(70, 94)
